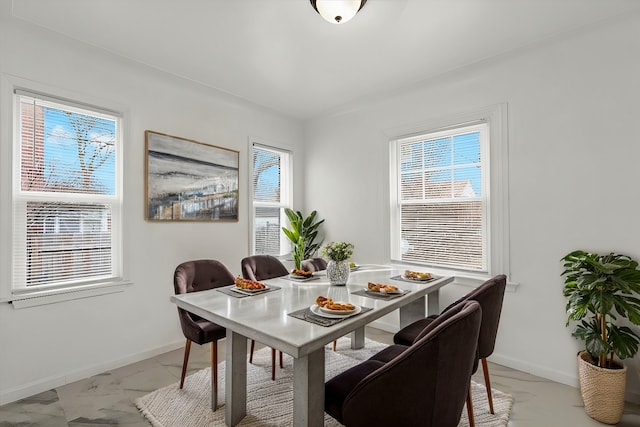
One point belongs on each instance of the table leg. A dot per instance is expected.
(235, 378)
(411, 312)
(357, 338)
(308, 390)
(433, 302)
(214, 375)
(415, 310)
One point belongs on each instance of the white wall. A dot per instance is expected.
(50, 345)
(573, 154)
(574, 147)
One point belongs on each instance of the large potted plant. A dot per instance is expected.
(302, 234)
(601, 290)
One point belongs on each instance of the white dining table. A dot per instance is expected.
(265, 318)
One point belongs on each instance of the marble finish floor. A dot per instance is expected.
(106, 399)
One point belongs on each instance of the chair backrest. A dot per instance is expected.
(490, 296)
(201, 275)
(262, 267)
(437, 320)
(314, 264)
(427, 384)
(194, 276)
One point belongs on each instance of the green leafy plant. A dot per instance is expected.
(337, 251)
(302, 234)
(599, 290)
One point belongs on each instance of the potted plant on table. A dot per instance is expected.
(338, 268)
(601, 289)
(302, 234)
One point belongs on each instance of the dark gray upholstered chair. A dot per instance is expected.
(195, 276)
(398, 387)
(314, 264)
(490, 296)
(263, 267)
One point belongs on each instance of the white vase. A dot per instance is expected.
(338, 272)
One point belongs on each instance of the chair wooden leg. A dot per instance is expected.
(187, 348)
(214, 367)
(487, 383)
(273, 359)
(253, 344)
(472, 421)
(334, 345)
(273, 364)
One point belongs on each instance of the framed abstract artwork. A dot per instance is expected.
(187, 180)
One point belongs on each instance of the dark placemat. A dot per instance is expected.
(306, 279)
(309, 316)
(402, 279)
(227, 290)
(378, 295)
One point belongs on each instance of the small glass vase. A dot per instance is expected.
(338, 272)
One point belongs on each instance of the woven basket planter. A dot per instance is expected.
(602, 390)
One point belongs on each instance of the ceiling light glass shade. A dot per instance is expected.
(337, 11)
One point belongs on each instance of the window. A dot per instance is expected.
(66, 195)
(271, 194)
(448, 203)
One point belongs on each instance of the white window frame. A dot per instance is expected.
(13, 291)
(286, 193)
(494, 161)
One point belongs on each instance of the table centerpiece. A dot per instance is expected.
(338, 268)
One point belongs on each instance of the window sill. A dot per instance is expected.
(473, 282)
(468, 279)
(52, 296)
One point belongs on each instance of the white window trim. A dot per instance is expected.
(35, 297)
(481, 128)
(286, 199)
(498, 261)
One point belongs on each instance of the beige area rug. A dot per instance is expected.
(269, 403)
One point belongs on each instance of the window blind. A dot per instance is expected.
(66, 206)
(267, 170)
(271, 194)
(441, 202)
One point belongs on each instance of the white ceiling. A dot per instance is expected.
(281, 54)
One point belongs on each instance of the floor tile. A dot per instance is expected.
(107, 399)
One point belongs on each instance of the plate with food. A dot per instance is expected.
(417, 276)
(353, 266)
(301, 279)
(320, 311)
(334, 309)
(301, 275)
(383, 289)
(249, 286)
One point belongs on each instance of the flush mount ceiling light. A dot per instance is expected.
(337, 11)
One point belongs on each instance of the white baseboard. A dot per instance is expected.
(537, 370)
(540, 371)
(552, 375)
(35, 387)
(632, 396)
(44, 384)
